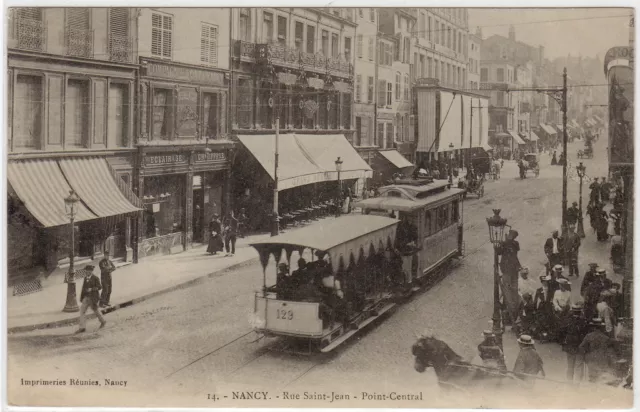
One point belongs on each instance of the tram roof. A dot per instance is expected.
(403, 204)
(345, 236)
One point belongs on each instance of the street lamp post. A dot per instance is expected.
(275, 223)
(497, 235)
(339, 169)
(450, 163)
(581, 173)
(72, 303)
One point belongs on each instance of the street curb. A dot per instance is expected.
(131, 302)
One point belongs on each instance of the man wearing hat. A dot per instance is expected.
(598, 351)
(593, 291)
(572, 247)
(490, 353)
(576, 330)
(542, 302)
(529, 363)
(90, 297)
(589, 277)
(572, 214)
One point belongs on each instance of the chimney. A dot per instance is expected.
(512, 33)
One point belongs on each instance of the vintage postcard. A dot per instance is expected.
(320, 207)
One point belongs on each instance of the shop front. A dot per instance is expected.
(181, 192)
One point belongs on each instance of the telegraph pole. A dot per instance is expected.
(471, 128)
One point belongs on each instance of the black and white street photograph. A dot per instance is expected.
(319, 207)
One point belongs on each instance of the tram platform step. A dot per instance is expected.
(349, 334)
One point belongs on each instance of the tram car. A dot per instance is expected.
(355, 268)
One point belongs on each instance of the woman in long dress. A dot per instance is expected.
(601, 224)
(510, 266)
(215, 236)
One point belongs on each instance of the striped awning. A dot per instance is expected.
(42, 188)
(91, 178)
(42, 185)
(560, 127)
(548, 129)
(533, 137)
(516, 138)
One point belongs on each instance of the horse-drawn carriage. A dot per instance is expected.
(587, 153)
(472, 186)
(530, 163)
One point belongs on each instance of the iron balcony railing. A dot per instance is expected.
(120, 48)
(79, 42)
(30, 34)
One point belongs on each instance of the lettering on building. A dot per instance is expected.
(159, 160)
(211, 157)
(186, 74)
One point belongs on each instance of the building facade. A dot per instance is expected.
(183, 152)
(475, 43)
(71, 87)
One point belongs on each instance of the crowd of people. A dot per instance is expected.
(224, 233)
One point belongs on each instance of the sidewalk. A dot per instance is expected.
(133, 283)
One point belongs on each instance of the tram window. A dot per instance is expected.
(455, 210)
(427, 223)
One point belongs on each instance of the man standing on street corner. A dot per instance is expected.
(89, 297)
(106, 267)
(553, 248)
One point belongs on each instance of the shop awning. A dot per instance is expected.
(559, 126)
(516, 138)
(42, 188)
(533, 137)
(547, 129)
(43, 184)
(396, 158)
(306, 159)
(92, 180)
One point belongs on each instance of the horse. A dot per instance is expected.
(495, 169)
(453, 371)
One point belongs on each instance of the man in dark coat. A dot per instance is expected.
(510, 267)
(598, 351)
(589, 277)
(528, 364)
(90, 297)
(605, 190)
(594, 197)
(553, 248)
(215, 236)
(543, 306)
(572, 246)
(593, 291)
(230, 234)
(106, 267)
(573, 213)
(576, 330)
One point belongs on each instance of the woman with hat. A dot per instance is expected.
(576, 330)
(215, 236)
(597, 349)
(543, 305)
(529, 363)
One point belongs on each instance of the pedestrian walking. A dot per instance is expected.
(602, 223)
(553, 248)
(562, 307)
(106, 268)
(572, 246)
(89, 298)
(215, 236)
(598, 351)
(529, 363)
(242, 223)
(230, 234)
(605, 190)
(510, 266)
(605, 313)
(554, 159)
(594, 196)
(576, 330)
(573, 213)
(543, 304)
(593, 291)
(589, 277)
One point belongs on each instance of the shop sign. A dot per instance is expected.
(186, 74)
(427, 81)
(341, 87)
(211, 157)
(316, 83)
(288, 79)
(164, 159)
(187, 106)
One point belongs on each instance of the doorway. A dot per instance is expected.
(198, 209)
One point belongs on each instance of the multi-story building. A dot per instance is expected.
(365, 78)
(183, 154)
(473, 50)
(292, 74)
(71, 86)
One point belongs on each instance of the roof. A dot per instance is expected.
(346, 236)
(395, 158)
(403, 204)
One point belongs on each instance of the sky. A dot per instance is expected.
(581, 30)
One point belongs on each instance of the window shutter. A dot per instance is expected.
(167, 26)
(33, 13)
(213, 45)
(119, 21)
(156, 34)
(79, 18)
(382, 92)
(204, 50)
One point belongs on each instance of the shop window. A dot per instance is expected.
(77, 109)
(161, 35)
(211, 114)
(27, 130)
(245, 24)
(164, 198)
(311, 39)
(209, 44)
(162, 114)
(299, 34)
(282, 30)
(118, 112)
(347, 49)
(267, 27)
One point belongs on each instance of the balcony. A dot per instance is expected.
(30, 35)
(282, 55)
(79, 42)
(120, 48)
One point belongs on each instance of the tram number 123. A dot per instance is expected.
(284, 314)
